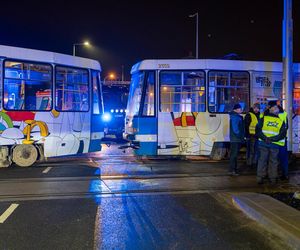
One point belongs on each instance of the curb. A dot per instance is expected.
(275, 216)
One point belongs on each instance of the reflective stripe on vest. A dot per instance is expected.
(253, 123)
(283, 116)
(271, 127)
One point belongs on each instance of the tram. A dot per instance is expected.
(115, 94)
(181, 107)
(51, 105)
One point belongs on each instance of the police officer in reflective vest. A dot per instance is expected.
(251, 120)
(271, 131)
(283, 153)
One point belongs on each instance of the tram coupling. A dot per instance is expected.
(133, 145)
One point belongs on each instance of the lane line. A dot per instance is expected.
(47, 170)
(8, 212)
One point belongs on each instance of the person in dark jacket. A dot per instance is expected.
(237, 133)
(251, 120)
(271, 132)
(283, 153)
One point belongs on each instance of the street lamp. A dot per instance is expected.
(110, 76)
(197, 21)
(86, 43)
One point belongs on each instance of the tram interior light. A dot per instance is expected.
(111, 111)
(106, 117)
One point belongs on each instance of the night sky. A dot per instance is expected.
(125, 32)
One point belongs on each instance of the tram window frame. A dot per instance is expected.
(88, 102)
(50, 81)
(247, 103)
(96, 74)
(1, 81)
(182, 72)
(296, 91)
(144, 92)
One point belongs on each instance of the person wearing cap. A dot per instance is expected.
(283, 153)
(271, 132)
(251, 120)
(236, 137)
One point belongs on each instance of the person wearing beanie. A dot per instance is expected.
(251, 120)
(236, 137)
(270, 103)
(271, 132)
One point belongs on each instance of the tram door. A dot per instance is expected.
(182, 102)
(147, 120)
(97, 127)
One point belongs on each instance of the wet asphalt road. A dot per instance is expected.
(112, 220)
(132, 222)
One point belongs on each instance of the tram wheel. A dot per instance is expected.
(24, 155)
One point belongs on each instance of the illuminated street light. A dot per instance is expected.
(110, 76)
(86, 43)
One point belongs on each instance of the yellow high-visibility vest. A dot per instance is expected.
(283, 116)
(253, 123)
(271, 127)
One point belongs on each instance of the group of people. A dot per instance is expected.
(265, 136)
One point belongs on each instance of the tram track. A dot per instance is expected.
(110, 186)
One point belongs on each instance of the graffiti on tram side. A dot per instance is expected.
(194, 133)
(61, 133)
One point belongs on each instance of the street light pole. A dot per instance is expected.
(287, 62)
(197, 31)
(86, 43)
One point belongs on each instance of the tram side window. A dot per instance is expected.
(71, 89)
(226, 89)
(27, 86)
(182, 91)
(149, 99)
(1, 84)
(296, 104)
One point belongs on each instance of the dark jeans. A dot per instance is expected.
(284, 160)
(234, 151)
(252, 151)
(268, 160)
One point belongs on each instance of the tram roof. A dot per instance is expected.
(209, 64)
(47, 57)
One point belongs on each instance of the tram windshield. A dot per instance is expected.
(135, 93)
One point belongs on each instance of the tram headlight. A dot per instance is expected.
(106, 117)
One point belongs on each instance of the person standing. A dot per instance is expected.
(236, 137)
(271, 132)
(283, 153)
(251, 120)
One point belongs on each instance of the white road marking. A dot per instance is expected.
(47, 170)
(8, 212)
